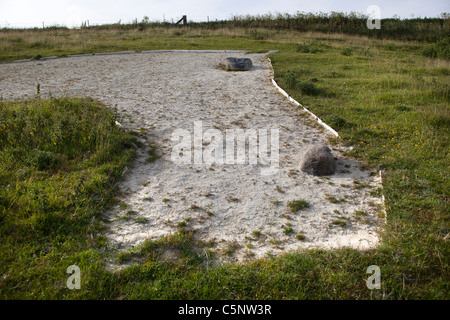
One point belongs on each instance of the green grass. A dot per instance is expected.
(387, 99)
(61, 159)
(298, 205)
(152, 154)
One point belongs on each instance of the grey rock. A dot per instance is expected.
(319, 161)
(236, 64)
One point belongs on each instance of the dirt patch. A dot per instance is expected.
(158, 93)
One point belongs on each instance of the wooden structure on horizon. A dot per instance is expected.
(183, 19)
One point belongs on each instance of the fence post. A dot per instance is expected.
(184, 19)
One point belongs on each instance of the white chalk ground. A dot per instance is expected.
(164, 91)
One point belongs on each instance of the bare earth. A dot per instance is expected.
(158, 93)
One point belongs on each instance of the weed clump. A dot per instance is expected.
(440, 49)
(298, 205)
(347, 52)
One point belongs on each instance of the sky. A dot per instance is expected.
(71, 13)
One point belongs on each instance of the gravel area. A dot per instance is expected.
(242, 210)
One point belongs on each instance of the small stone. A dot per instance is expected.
(236, 64)
(319, 161)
